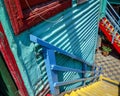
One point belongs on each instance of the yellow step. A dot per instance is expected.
(103, 87)
(80, 93)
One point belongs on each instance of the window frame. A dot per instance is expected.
(21, 21)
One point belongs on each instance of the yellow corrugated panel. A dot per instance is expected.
(104, 87)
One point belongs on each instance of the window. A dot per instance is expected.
(26, 13)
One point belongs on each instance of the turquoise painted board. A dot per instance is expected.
(73, 30)
(103, 8)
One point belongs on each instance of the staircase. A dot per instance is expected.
(103, 87)
(110, 26)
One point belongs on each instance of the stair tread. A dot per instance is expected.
(100, 88)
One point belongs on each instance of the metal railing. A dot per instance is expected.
(114, 18)
(52, 67)
(113, 13)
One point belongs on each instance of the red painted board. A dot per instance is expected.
(11, 63)
(23, 15)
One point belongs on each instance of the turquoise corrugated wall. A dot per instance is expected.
(74, 31)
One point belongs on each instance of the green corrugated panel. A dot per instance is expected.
(74, 31)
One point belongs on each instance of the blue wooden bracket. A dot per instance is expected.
(52, 75)
(51, 67)
(56, 84)
(49, 46)
(84, 68)
(60, 68)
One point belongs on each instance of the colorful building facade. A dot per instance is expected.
(70, 25)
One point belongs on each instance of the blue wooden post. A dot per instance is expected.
(84, 68)
(49, 57)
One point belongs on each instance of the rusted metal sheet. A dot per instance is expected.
(22, 13)
(11, 63)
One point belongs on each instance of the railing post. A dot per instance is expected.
(84, 68)
(49, 57)
(113, 35)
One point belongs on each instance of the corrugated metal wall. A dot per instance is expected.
(73, 30)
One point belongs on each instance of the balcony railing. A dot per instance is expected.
(52, 67)
(114, 18)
